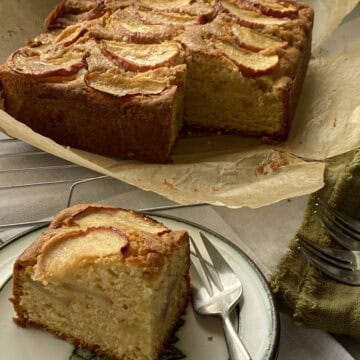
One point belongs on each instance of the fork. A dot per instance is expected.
(344, 229)
(217, 293)
(341, 265)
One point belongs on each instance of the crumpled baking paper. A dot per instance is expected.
(229, 170)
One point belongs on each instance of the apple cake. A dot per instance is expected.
(122, 77)
(109, 280)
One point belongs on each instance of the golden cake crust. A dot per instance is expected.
(140, 243)
(67, 217)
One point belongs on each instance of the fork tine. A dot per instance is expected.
(325, 213)
(206, 278)
(343, 276)
(344, 256)
(220, 264)
(342, 221)
(214, 274)
(352, 223)
(339, 236)
(315, 252)
(200, 278)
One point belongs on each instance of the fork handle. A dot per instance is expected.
(236, 348)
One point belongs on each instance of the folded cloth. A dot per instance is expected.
(313, 298)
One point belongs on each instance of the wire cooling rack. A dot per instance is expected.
(35, 185)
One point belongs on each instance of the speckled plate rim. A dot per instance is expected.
(275, 341)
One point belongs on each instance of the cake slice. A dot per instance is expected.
(105, 279)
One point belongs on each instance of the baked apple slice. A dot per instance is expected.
(141, 57)
(274, 8)
(96, 12)
(168, 18)
(250, 18)
(128, 25)
(165, 4)
(142, 33)
(81, 244)
(71, 12)
(136, 27)
(117, 83)
(70, 34)
(254, 41)
(250, 63)
(36, 63)
(96, 61)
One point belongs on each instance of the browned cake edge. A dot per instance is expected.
(29, 257)
(130, 128)
(293, 94)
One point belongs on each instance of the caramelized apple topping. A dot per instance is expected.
(69, 12)
(96, 12)
(255, 41)
(142, 57)
(97, 61)
(130, 26)
(136, 27)
(118, 83)
(274, 8)
(65, 250)
(168, 18)
(117, 4)
(249, 63)
(165, 4)
(251, 18)
(60, 62)
(70, 34)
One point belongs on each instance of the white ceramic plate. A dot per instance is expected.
(200, 338)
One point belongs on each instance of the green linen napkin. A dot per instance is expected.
(314, 299)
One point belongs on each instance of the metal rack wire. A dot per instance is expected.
(25, 171)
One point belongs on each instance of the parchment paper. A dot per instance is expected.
(233, 171)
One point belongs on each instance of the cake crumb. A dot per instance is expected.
(169, 184)
(334, 123)
(272, 163)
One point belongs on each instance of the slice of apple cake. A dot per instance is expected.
(122, 77)
(109, 280)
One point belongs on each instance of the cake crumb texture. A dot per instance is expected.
(108, 280)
